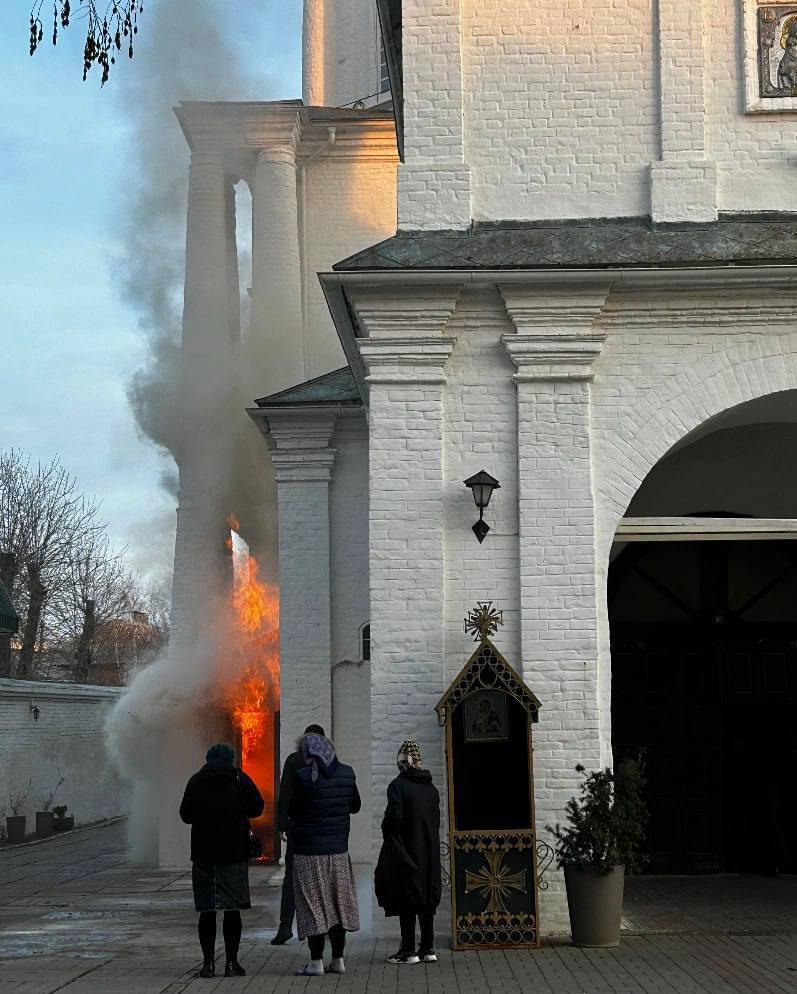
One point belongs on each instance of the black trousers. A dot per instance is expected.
(231, 927)
(337, 939)
(426, 920)
(288, 904)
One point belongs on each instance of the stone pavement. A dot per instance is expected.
(75, 918)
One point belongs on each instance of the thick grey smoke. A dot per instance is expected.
(187, 51)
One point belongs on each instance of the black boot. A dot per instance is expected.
(234, 969)
(284, 933)
(208, 968)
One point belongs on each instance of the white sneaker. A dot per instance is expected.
(337, 965)
(427, 956)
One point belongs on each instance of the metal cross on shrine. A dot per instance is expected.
(495, 881)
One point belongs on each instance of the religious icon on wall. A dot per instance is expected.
(485, 717)
(777, 50)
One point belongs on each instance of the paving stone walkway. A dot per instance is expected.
(75, 918)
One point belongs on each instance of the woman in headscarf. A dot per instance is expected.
(325, 796)
(218, 802)
(408, 882)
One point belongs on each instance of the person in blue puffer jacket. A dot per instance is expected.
(325, 796)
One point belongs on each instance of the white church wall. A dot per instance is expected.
(753, 152)
(351, 688)
(561, 110)
(668, 364)
(480, 433)
(660, 376)
(350, 204)
(67, 741)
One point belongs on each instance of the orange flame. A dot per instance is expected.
(254, 698)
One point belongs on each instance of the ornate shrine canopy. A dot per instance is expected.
(486, 669)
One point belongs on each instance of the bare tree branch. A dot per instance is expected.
(106, 32)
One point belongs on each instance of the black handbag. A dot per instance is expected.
(255, 849)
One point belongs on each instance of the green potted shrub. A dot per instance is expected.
(15, 822)
(60, 822)
(600, 843)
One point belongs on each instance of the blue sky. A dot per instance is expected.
(70, 341)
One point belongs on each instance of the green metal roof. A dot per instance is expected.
(337, 387)
(734, 239)
(9, 619)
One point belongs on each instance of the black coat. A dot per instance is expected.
(293, 764)
(319, 812)
(217, 804)
(409, 875)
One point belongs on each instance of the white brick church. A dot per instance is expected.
(568, 246)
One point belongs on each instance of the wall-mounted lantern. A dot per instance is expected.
(34, 710)
(482, 485)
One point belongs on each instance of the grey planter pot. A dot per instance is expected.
(595, 904)
(15, 828)
(44, 824)
(63, 824)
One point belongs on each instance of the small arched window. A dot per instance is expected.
(365, 642)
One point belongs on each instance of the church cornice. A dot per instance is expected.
(250, 127)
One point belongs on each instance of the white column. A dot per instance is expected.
(303, 462)
(405, 377)
(434, 179)
(207, 397)
(275, 347)
(207, 394)
(684, 181)
(314, 53)
(553, 351)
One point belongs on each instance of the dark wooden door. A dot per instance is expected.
(704, 681)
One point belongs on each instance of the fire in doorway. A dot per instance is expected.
(253, 700)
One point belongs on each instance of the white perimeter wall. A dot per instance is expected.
(68, 740)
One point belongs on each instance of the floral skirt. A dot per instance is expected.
(325, 894)
(221, 886)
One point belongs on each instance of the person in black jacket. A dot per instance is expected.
(293, 764)
(408, 880)
(324, 798)
(218, 802)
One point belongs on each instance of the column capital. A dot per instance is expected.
(404, 313)
(553, 357)
(405, 360)
(300, 444)
(568, 307)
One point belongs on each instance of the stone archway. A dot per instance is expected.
(704, 645)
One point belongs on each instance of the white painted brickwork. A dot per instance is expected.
(561, 111)
(351, 686)
(605, 382)
(531, 109)
(754, 152)
(67, 740)
(350, 204)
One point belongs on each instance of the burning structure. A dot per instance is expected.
(321, 174)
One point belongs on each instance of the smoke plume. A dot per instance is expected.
(186, 51)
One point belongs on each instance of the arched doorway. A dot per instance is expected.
(704, 643)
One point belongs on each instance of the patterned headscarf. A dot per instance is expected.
(409, 755)
(317, 750)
